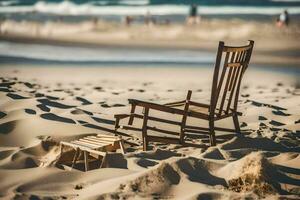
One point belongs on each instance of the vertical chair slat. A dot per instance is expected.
(144, 129)
(225, 91)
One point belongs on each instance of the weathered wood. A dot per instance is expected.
(184, 116)
(163, 139)
(162, 130)
(86, 160)
(122, 147)
(223, 103)
(131, 118)
(144, 129)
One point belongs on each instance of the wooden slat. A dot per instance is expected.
(233, 64)
(220, 83)
(144, 129)
(83, 148)
(233, 89)
(225, 91)
(202, 105)
(106, 136)
(131, 118)
(128, 127)
(104, 139)
(236, 49)
(86, 160)
(207, 129)
(87, 140)
(86, 145)
(177, 103)
(162, 130)
(163, 139)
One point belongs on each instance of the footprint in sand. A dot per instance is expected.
(6, 90)
(261, 118)
(50, 103)
(2, 114)
(278, 112)
(15, 96)
(7, 127)
(43, 107)
(80, 111)
(30, 111)
(244, 124)
(276, 123)
(84, 101)
(53, 117)
(141, 90)
(7, 85)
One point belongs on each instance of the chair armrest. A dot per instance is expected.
(121, 116)
(155, 106)
(193, 103)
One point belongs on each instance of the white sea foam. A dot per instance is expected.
(69, 8)
(8, 3)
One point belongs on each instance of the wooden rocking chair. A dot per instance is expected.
(231, 64)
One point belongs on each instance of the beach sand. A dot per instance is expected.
(41, 106)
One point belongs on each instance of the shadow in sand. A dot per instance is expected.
(104, 121)
(7, 127)
(50, 103)
(43, 107)
(88, 125)
(157, 155)
(264, 144)
(197, 172)
(115, 160)
(2, 114)
(258, 104)
(7, 85)
(5, 90)
(80, 111)
(30, 111)
(289, 170)
(15, 96)
(146, 163)
(53, 117)
(84, 101)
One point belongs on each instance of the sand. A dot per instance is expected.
(40, 106)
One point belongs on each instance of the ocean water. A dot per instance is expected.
(141, 7)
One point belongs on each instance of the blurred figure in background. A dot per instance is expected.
(193, 17)
(283, 19)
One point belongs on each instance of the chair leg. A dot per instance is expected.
(212, 135)
(144, 133)
(121, 143)
(86, 160)
(117, 124)
(236, 123)
(76, 156)
(131, 118)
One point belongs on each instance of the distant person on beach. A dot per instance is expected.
(283, 19)
(193, 17)
(128, 20)
(149, 20)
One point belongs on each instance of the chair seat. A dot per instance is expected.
(200, 109)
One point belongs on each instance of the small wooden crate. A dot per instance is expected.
(97, 145)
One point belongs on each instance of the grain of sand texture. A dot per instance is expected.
(42, 106)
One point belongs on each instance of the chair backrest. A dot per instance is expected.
(231, 64)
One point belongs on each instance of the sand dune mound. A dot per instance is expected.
(42, 152)
(251, 173)
(157, 180)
